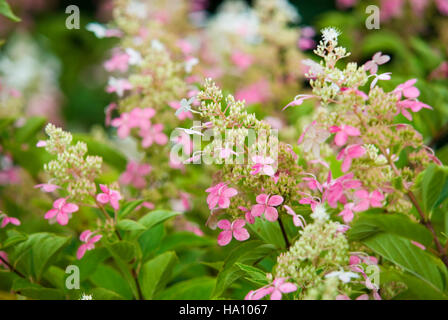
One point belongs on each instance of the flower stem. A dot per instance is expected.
(12, 268)
(284, 233)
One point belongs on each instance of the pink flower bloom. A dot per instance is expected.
(4, 255)
(119, 61)
(347, 213)
(6, 220)
(265, 205)
(366, 200)
(442, 6)
(418, 244)
(348, 154)
(153, 134)
(247, 214)
(297, 219)
(135, 174)
(61, 212)
(298, 100)
(185, 46)
(236, 229)
(356, 91)
(118, 85)
(335, 189)
(414, 105)
(219, 195)
(124, 123)
(407, 89)
(310, 201)
(263, 165)
(47, 187)
(377, 59)
(342, 134)
(109, 195)
(89, 243)
(306, 44)
(275, 289)
(242, 60)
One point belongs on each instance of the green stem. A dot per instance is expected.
(283, 232)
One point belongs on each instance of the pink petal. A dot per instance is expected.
(275, 200)
(224, 237)
(271, 214)
(85, 235)
(346, 164)
(238, 224)
(81, 251)
(261, 198)
(340, 139)
(229, 192)
(104, 188)
(62, 219)
(258, 210)
(287, 287)
(241, 234)
(276, 295)
(14, 221)
(69, 208)
(224, 224)
(51, 213)
(102, 198)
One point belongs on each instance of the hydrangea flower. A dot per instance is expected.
(266, 205)
(349, 153)
(135, 174)
(109, 196)
(9, 220)
(219, 195)
(235, 229)
(275, 289)
(343, 132)
(367, 200)
(89, 240)
(263, 165)
(61, 212)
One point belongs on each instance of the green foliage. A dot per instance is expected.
(5, 10)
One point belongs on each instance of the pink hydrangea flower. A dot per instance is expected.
(135, 174)
(153, 134)
(349, 153)
(47, 187)
(366, 200)
(275, 289)
(347, 213)
(241, 60)
(342, 134)
(377, 59)
(61, 212)
(297, 219)
(183, 114)
(298, 100)
(119, 61)
(413, 105)
(219, 195)
(137, 118)
(109, 196)
(89, 240)
(247, 215)
(235, 229)
(266, 205)
(118, 85)
(263, 165)
(9, 220)
(407, 89)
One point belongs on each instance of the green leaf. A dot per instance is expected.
(91, 260)
(185, 239)
(124, 250)
(409, 257)
(130, 225)
(417, 289)
(108, 278)
(30, 129)
(153, 218)
(246, 253)
(193, 289)
(429, 186)
(156, 273)
(150, 240)
(38, 251)
(105, 294)
(269, 232)
(35, 291)
(128, 208)
(13, 237)
(253, 274)
(5, 10)
(371, 222)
